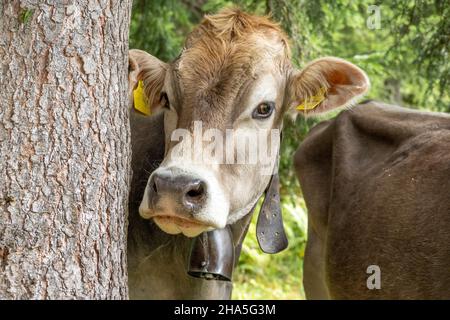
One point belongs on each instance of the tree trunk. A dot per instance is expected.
(64, 149)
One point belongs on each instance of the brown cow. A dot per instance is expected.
(233, 78)
(376, 181)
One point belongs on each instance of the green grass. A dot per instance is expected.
(279, 276)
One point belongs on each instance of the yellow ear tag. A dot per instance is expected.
(140, 103)
(314, 101)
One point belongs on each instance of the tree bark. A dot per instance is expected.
(64, 149)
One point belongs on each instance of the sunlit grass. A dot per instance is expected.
(279, 276)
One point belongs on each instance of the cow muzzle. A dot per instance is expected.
(189, 193)
(180, 201)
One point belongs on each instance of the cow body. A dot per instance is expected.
(376, 181)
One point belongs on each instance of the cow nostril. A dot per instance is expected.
(153, 190)
(196, 192)
(189, 193)
(194, 195)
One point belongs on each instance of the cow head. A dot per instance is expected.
(224, 99)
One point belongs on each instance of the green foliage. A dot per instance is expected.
(278, 276)
(159, 27)
(424, 26)
(406, 59)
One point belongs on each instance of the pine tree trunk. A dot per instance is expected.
(64, 149)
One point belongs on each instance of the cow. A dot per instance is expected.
(233, 77)
(376, 182)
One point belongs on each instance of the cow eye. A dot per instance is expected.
(263, 110)
(165, 100)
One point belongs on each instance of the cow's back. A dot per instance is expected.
(376, 181)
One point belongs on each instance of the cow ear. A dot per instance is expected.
(152, 72)
(326, 84)
(133, 71)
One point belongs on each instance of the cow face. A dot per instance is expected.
(224, 99)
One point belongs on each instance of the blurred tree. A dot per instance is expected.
(421, 32)
(160, 26)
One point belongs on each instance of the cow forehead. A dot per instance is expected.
(211, 76)
(212, 64)
(222, 57)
